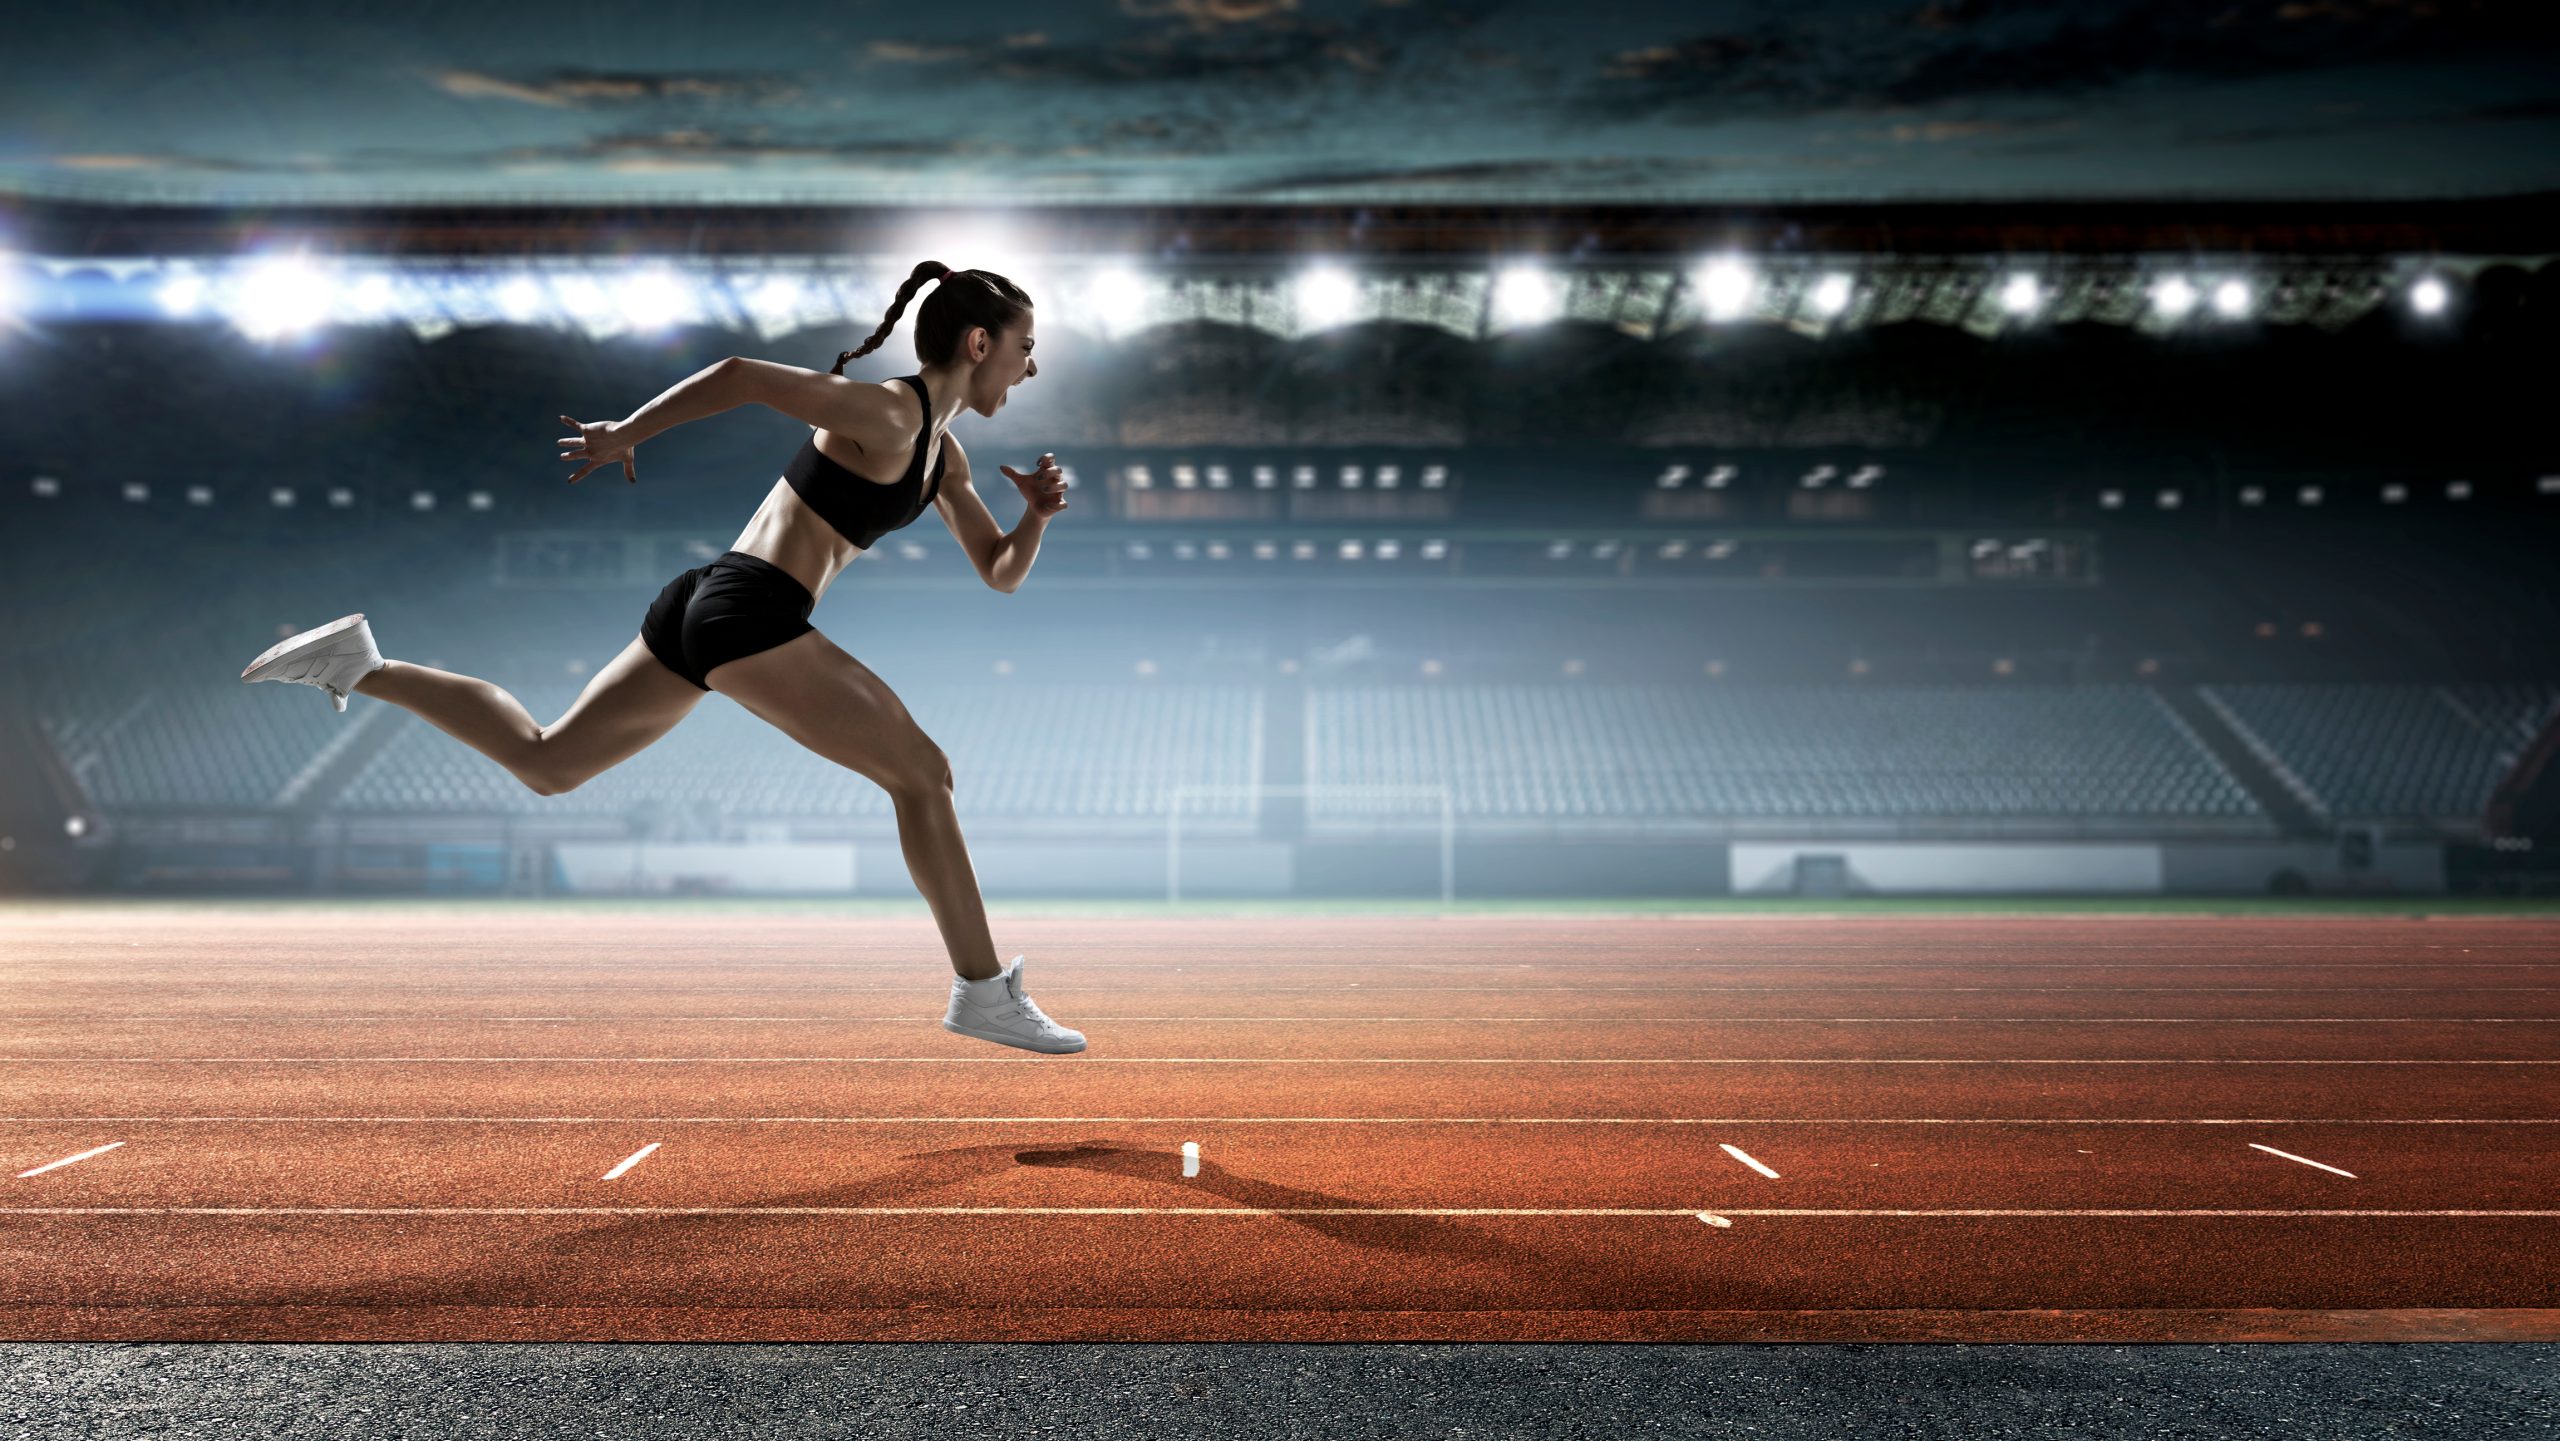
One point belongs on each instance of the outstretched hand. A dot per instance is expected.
(597, 444)
(1045, 488)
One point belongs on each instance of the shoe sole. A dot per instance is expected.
(291, 645)
(1012, 1041)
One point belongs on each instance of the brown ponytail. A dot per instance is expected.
(950, 313)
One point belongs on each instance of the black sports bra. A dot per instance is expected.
(860, 510)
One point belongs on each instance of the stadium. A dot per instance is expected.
(1635, 783)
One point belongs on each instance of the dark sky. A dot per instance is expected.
(865, 101)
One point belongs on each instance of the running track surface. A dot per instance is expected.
(329, 1124)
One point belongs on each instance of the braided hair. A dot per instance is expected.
(966, 300)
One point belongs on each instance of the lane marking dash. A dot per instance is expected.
(634, 1159)
(1739, 1154)
(2288, 1155)
(67, 1160)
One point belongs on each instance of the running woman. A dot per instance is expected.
(740, 624)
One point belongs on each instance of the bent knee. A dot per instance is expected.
(921, 771)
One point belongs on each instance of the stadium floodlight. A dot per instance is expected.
(1186, 477)
(1117, 298)
(1434, 476)
(479, 500)
(1603, 550)
(46, 486)
(1389, 550)
(1727, 288)
(2457, 490)
(1831, 294)
(1185, 550)
(1265, 549)
(180, 295)
(1350, 477)
(519, 298)
(2309, 495)
(1265, 477)
(2111, 500)
(2253, 495)
(2173, 297)
(585, 299)
(1865, 476)
(652, 300)
(422, 500)
(2428, 296)
(281, 497)
(1524, 295)
(1671, 477)
(2546, 485)
(2394, 493)
(136, 491)
(1814, 478)
(909, 550)
(1673, 549)
(1559, 549)
(2170, 499)
(1718, 550)
(1435, 549)
(1302, 550)
(1218, 550)
(1218, 478)
(2231, 299)
(281, 295)
(1303, 477)
(1139, 477)
(1139, 550)
(1721, 476)
(1326, 296)
(340, 498)
(199, 495)
(2021, 295)
(1389, 476)
(369, 297)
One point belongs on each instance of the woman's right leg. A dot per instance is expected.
(813, 692)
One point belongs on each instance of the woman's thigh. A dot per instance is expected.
(631, 702)
(813, 692)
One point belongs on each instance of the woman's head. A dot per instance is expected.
(975, 325)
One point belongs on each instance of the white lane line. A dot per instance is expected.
(300, 1017)
(1191, 1158)
(1313, 1120)
(68, 1160)
(1744, 1157)
(634, 1159)
(1713, 1219)
(1684, 1214)
(2288, 1155)
(1233, 1061)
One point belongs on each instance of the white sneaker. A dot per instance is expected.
(996, 1009)
(333, 657)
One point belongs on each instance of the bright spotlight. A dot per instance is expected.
(651, 300)
(1726, 284)
(179, 298)
(2428, 296)
(520, 299)
(2173, 297)
(2231, 299)
(370, 298)
(1118, 298)
(2020, 296)
(1524, 295)
(281, 296)
(1831, 296)
(1327, 296)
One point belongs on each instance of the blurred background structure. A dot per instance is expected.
(1535, 550)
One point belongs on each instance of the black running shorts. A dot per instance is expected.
(734, 606)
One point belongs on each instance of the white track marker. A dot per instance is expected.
(2288, 1155)
(1191, 1158)
(1737, 1153)
(67, 1160)
(634, 1159)
(1713, 1219)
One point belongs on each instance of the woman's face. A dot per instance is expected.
(1007, 365)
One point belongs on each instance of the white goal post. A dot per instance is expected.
(1447, 808)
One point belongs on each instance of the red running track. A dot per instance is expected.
(554, 1126)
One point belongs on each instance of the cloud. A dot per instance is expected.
(1949, 50)
(577, 89)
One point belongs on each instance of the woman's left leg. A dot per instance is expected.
(631, 702)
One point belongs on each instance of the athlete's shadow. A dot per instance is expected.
(927, 1171)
